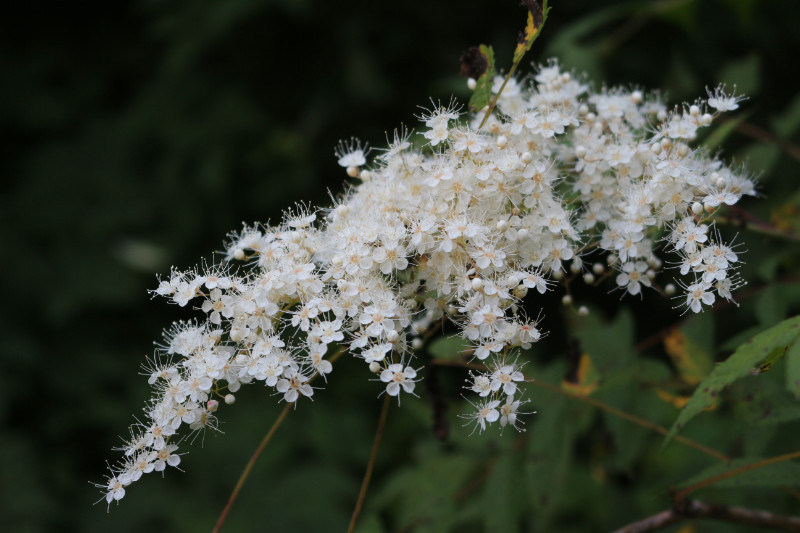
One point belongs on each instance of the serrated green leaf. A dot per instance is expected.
(793, 369)
(774, 475)
(738, 365)
(448, 348)
(482, 94)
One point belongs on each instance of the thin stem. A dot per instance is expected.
(689, 509)
(249, 467)
(605, 407)
(371, 465)
(678, 496)
(518, 59)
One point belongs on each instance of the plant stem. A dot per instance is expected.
(249, 467)
(371, 464)
(694, 509)
(678, 496)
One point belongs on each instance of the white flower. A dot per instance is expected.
(351, 153)
(721, 101)
(397, 377)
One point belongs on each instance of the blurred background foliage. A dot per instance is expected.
(137, 134)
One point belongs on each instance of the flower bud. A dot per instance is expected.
(374, 367)
(392, 336)
(598, 268)
(526, 157)
(230, 399)
(472, 83)
(697, 208)
(670, 289)
(637, 97)
(588, 278)
(416, 343)
(566, 299)
(352, 171)
(477, 284)
(583, 310)
(212, 406)
(502, 141)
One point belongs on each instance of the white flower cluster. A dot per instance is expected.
(460, 231)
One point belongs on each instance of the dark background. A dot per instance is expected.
(137, 134)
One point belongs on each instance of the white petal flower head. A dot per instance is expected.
(397, 377)
(351, 153)
(722, 101)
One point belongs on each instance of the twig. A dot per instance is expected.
(368, 475)
(736, 471)
(760, 134)
(246, 472)
(249, 467)
(689, 509)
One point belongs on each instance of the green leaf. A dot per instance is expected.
(738, 365)
(793, 369)
(774, 475)
(610, 345)
(723, 131)
(744, 73)
(690, 348)
(448, 348)
(482, 94)
(502, 496)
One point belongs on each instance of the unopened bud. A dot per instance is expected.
(637, 97)
(598, 268)
(526, 157)
(212, 406)
(477, 284)
(588, 278)
(472, 83)
(392, 336)
(230, 399)
(697, 208)
(374, 367)
(566, 299)
(352, 171)
(670, 289)
(502, 141)
(583, 310)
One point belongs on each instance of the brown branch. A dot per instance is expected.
(253, 458)
(371, 464)
(689, 509)
(736, 471)
(760, 134)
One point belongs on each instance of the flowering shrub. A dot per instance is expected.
(559, 182)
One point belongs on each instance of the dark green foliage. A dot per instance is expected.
(136, 135)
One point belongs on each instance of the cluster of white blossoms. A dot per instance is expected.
(460, 230)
